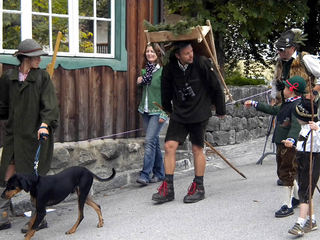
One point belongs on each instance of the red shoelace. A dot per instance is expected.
(192, 189)
(163, 189)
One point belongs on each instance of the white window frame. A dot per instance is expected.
(73, 15)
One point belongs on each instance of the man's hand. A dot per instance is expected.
(287, 143)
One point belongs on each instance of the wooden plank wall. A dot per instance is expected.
(98, 101)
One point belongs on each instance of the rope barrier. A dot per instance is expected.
(246, 98)
(113, 135)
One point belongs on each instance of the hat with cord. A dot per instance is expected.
(30, 48)
(296, 83)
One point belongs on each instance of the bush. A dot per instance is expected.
(236, 79)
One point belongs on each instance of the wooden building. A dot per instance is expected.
(97, 94)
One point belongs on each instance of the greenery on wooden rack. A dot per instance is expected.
(181, 27)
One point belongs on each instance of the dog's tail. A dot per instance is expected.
(105, 179)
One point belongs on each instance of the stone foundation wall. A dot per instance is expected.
(126, 155)
(240, 124)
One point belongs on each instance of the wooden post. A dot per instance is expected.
(214, 52)
(215, 62)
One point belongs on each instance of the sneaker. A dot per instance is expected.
(165, 193)
(195, 193)
(295, 203)
(306, 227)
(5, 225)
(284, 211)
(155, 179)
(142, 181)
(296, 230)
(42, 225)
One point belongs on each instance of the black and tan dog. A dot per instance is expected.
(52, 189)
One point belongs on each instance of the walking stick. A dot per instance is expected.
(210, 146)
(311, 158)
(264, 154)
(224, 159)
(50, 67)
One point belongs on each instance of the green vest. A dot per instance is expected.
(153, 91)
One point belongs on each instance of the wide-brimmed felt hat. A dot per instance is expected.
(30, 48)
(303, 110)
(296, 83)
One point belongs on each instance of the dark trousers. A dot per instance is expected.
(286, 164)
(303, 159)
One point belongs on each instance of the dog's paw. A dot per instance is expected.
(100, 224)
(71, 231)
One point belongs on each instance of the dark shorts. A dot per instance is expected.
(303, 160)
(179, 131)
(287, 167)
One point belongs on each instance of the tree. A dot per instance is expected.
(245, 30)
(312, 28)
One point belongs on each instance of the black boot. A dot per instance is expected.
(195, 193)
(165, 193)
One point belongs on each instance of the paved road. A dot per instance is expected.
(234, 208)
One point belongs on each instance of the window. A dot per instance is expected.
(88, 26)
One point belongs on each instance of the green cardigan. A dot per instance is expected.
(287, 124)
(154, 95)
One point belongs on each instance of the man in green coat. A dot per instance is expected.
(29, 103)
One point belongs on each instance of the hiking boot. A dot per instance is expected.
(306, 227)
(42, 225)
(284, 211)
(295, 203)
(296, 230)
(195, 193)
(165, 193)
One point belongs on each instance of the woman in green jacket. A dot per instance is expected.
(153, 117)
(29, 103)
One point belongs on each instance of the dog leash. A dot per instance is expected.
(36, 159)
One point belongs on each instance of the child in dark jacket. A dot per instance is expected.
(285, 136)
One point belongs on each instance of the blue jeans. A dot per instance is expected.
(152, 160)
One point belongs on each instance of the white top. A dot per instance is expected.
(146, 109)
(305, 129)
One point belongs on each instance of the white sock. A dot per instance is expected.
(301, 221)
(295, 189)
(288, 192)
(313, 218)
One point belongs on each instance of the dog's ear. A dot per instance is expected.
(25, 182)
